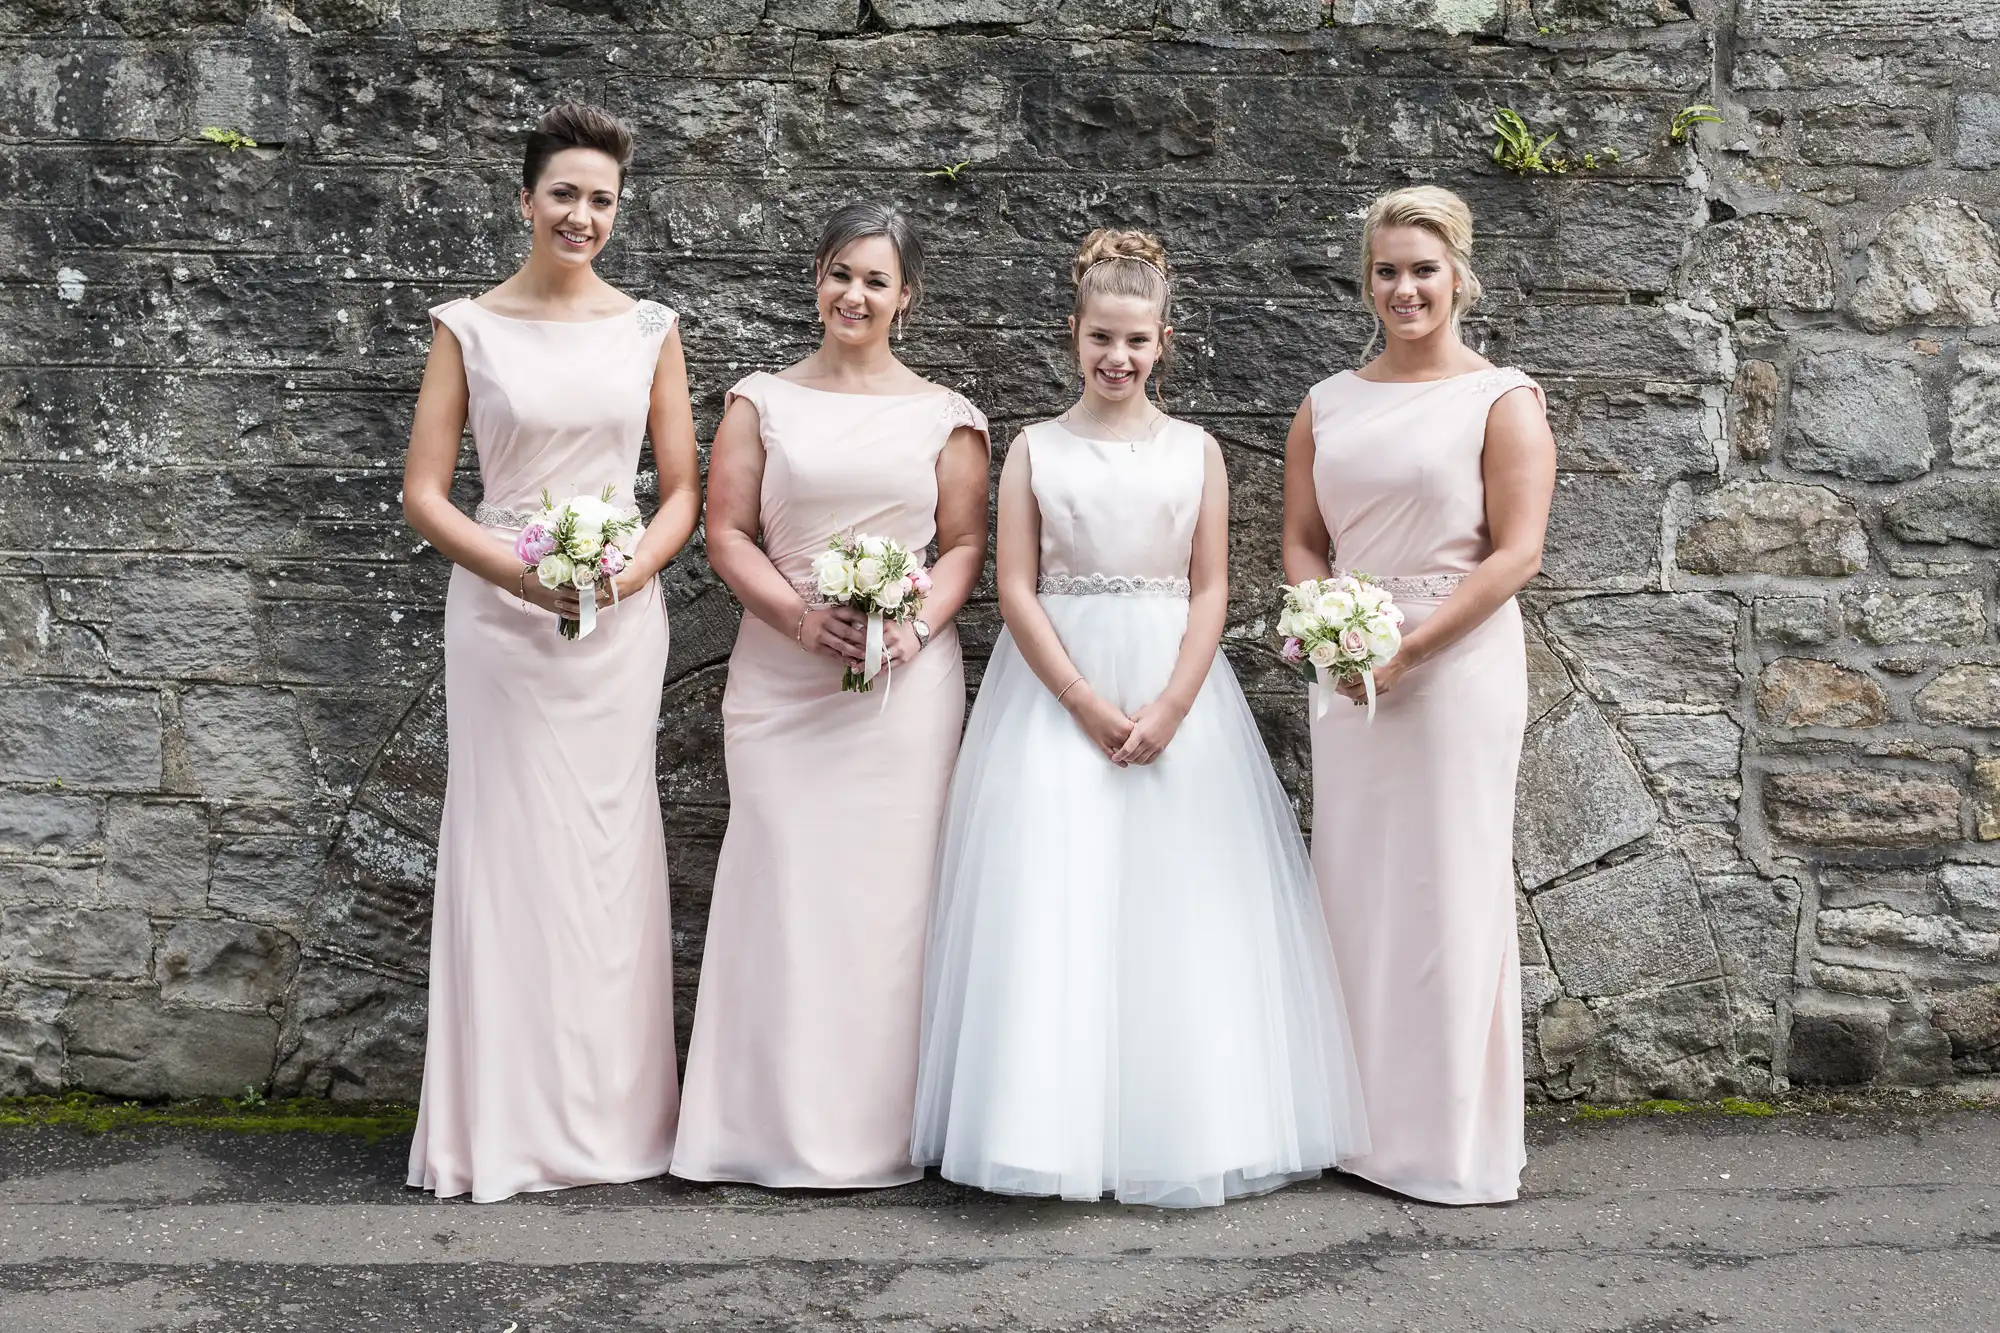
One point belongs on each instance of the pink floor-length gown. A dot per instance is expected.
(551, 1052)
(1413, 816)
(803, 1064)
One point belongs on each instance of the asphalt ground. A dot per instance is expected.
(1873, 1219)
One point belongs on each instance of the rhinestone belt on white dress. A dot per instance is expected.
(1116, 585)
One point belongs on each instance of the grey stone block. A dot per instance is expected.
(50, 940)
(1837, 1040)
(247, 744)
(351, 1034)
(1967, 694)
(1978, 130)
(1885, 618)
(1974, 894)
(270, 880)
(1858, 416)
(1861, 808)
(1579, 798)
(48, 821)
(225, 965)
(1766, 261)
(1653, 649)
(134, 1046)
(86, 735)
(1796, 622)
(1975, 409)
(156, 854)
(1635, 926)
(1962, 511)
(1693, 762)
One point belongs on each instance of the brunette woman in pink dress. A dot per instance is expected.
(1432, 470)
(803, 1065)
(551, 1054)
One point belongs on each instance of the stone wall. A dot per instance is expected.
(1761, 786)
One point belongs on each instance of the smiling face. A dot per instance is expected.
(1411, 282)
(860, 291)
(1118, 341)
(573, 205)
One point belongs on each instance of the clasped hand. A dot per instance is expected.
(1138, 739)
(564, 600)
(1355, 690)
(841, 632)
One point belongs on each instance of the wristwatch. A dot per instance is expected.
(923, 629)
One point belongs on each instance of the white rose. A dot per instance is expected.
(1348, 584)
(890, 595)
(1337, 606)
(586, 543)
(1376, 626)
(1374, 596)
(1323, 654)
(867, 574)
(1384, 645)
(584, 575)
(555, 570)
(872, 547)
(836, 580)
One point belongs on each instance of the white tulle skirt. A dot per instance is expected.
(1129, 988)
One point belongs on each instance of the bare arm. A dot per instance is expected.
(670, 424)
(1306, 539)
(735, 520)
(1017, 567)
(961, 539)
(1519, 465)
(427, 474)
(1154, 725)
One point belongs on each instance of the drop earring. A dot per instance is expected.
(899, 326)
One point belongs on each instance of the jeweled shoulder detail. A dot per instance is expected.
(960, 412)
(653, 317)
(1116, 585)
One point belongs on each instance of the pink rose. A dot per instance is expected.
(1353, 645)
(535, 542)
(920, 582)
(611, 561)
(1293, 651)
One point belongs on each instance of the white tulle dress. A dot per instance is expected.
(1129, 987)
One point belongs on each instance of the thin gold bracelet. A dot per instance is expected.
(799, 630)
(1067, 688)
(521, 585)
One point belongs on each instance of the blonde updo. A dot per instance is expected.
(1116, 262)
(1442, 214)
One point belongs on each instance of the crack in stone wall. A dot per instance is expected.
(1760, 790)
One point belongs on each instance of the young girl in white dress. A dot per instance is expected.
(1129, 987)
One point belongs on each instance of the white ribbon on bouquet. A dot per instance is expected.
(586, 608)
(875, 659)
(1325, 695)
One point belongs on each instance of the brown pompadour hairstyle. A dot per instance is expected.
(575, 125)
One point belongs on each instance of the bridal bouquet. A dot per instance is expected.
(877, 577)
(582, 542)
(1344, 626)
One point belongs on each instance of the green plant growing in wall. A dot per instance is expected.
(1517, 147)
(950, 173)
(230, 139)
(1688, 117)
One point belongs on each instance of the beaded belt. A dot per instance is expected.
(493, 516)
(1117, 585)
(1422, 585)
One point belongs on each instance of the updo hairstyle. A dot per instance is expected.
(1114, 261)
(575, 125)
(1442, 214)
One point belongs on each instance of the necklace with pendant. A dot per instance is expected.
(1130, 443)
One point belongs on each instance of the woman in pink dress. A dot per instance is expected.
(1432, 470)
(803, 1064)
(551, 1054)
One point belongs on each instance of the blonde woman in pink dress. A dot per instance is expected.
(551, 1054)
(1432, 470)
(802, 1067)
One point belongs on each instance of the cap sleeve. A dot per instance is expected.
(754, 389)
(655, 320)
(1505, 379)
(453, 315)
(959, 412)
